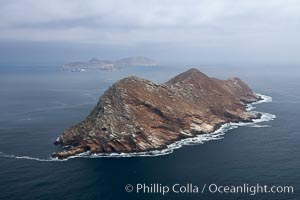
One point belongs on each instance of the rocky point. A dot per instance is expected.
(137, 115)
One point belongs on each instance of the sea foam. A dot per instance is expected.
(200, 139)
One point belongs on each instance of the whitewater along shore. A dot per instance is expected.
(136, 115)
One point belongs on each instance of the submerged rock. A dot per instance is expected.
(137, 115)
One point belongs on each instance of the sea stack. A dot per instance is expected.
(137, 115)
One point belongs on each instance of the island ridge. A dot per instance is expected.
(137, 115)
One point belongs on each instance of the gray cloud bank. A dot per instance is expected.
(201, 29)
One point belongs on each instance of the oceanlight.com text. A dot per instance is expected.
(189, 188)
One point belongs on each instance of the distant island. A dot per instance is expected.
(97, 64)
(137, 115)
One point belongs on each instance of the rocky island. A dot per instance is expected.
(137, 115)
(97, 64)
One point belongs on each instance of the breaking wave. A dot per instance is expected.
(200, 139)
(25, 157)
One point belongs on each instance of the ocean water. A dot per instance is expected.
(37, 103)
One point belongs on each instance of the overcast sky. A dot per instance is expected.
(192, 31)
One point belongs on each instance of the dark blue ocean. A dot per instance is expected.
(39, 101)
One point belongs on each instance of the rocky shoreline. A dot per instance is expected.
(135, 115)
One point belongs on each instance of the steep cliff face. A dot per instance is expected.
(136, 115)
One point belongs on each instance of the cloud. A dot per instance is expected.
(179, 30)
(135, 21)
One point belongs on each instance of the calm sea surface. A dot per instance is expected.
(38, 103)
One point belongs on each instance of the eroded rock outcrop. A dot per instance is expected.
(136, 115)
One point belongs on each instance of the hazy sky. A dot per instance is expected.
(183, 31)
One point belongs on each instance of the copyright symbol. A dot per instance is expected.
(129, 188)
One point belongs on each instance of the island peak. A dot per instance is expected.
(137, 115)
(97, 64)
